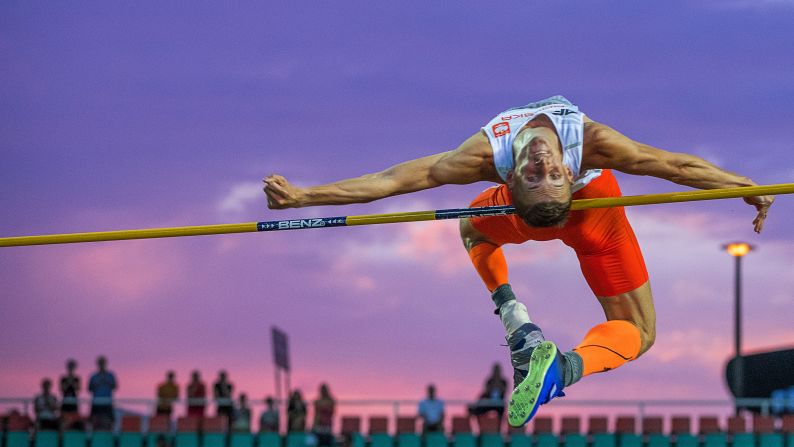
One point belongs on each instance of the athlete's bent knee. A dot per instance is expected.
(647, 337)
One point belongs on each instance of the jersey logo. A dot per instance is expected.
(501, 129)
(562, 112)
(521, 115)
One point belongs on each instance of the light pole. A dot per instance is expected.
(738, 250)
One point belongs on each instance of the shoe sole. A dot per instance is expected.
(524, 400)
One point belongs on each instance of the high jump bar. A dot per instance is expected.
(372, 219)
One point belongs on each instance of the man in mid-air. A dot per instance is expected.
(542, 156)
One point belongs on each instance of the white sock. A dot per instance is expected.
(513, 314)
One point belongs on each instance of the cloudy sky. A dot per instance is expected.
(141, 114)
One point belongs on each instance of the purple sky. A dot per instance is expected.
(144, 115)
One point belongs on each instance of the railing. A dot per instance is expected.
(398, 407)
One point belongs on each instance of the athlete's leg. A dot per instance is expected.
(617, 275)
(629, 331)
(483, 238)
(488, 259)
(637, 308)
(612, 264)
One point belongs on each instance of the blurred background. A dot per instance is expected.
(144, 114)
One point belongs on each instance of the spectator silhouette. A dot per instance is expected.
(222, 391)
(167, 393)
(296, 413)
(45, 406)
(242, 415)
(102, 385)
(269, 420)
(431, 410)
(70, 388)
(324, 407)
(492, 398)
(196, 396)
(496, 385)
(782, 401)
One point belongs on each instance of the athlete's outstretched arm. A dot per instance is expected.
(471, 162)
(613, 150)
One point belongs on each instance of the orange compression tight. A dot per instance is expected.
(609, 345)
(489, 260)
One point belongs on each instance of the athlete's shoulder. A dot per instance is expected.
(597, 135)
(476, 147)
(605, 147)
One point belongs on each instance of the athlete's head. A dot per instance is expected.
(540, 182)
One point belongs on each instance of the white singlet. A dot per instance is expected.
(568, 122)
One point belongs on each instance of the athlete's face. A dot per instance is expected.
(539, 173)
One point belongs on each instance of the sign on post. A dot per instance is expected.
(280, 348)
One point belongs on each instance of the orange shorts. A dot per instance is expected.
(602, 238)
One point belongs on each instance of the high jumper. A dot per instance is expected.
(542, 156)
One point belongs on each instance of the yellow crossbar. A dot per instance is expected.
(684, 196)
(371, 219)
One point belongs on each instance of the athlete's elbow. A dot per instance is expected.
(746, 181)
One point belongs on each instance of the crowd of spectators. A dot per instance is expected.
(52, 414)
(102, 385)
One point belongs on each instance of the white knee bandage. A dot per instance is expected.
(513, 314)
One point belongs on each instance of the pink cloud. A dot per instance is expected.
(435, 245)
(691, 345)
(126, 271)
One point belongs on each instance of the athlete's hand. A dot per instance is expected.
(281, 194)
(762, 204)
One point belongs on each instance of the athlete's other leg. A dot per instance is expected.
(488, 259)
(612, 264)
(629, 331)
(637, 308)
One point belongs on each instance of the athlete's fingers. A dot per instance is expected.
(270, 189)
(275, 202)
(273, 182)
(277, 188)
(275, 178)
(281, 194)
(275, 196)
(758, 222)
(761, 204)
